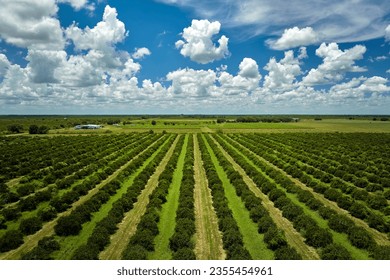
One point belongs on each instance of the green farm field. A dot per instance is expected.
(192, 124)
(201, 187)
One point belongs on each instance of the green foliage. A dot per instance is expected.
(15, 128)
(30, 225)
(179, 240)
(275, 238)
(377, 202)
(287, 253)
(335, 252)
(2, 223)
(380, 253)
(340, 223)
(45, 247)
(86, 252)
(48, 213)
(12, 239)
(11, 213)
(136, 252)
(67, 225)
(145, 238)
(360, 238)
(358, 210)
(34, 129)
(326, 212)
(318, 237)
(184, 253)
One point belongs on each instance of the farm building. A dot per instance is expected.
(88, 126)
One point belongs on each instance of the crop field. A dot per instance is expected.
(210, 191)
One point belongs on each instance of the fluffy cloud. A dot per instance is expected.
(4, 65)
(335, 64)
(31, 24)
(361, 88)
(190, 82)
(294, 37)
(249, 69)
(43, 63)
(375, 85)
(103, 36)
(141, 53)
(242, 84)
(282, 75)
(101, 77)
(99, 65)
(198, 44)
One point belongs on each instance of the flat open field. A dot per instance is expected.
(193, 124)
(198, 126)
(195, 188)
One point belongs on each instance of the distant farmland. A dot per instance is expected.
(193, 195)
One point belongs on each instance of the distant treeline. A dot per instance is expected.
(254, 119)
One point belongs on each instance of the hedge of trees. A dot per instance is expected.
(231, 236)
(274, 185)
(254, 119)
(32, 156)
(142, 242)
(181, 242)
(346, 195)
(355, 233)
(65, 171)
(34, 129)
(274, 237)
(52, 173)
(46, 246)
(70, 225)
(61, 203)
(107, 226)
(350, 169)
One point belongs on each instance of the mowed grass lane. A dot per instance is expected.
(166, 225)
(253, 241)
(208, 239)
(128, 226)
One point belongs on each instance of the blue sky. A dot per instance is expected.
(194, 57)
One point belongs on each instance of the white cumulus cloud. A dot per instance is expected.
(294, 37)
(31, 24)
(104, 35)
(335, 64)
(244, 83)
(43, 63)
(4, 64)
(141, 53)
(190, 82)
(282, 75)
(249, 69)
(198, 42)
